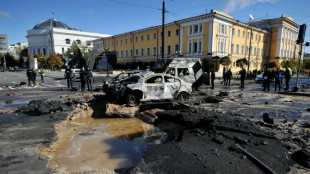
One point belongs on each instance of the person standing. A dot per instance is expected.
(267, 79)
(288, 74)
(243, 74)
(83, 75)
(42, 73)
(30, 76)
(89, 79)
(228, 77)
(277, 79)
(212, 79)
(224, 77)
(68, 75)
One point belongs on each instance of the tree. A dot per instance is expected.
(41, 59)
(289, 63)
(225, 61)
(306, 64)
(10, 60)
(23, 53)
(241, 62)
(79, 57)
(55, 60)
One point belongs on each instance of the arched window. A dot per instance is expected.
(78, 42)
(88, 43)
(68, 41)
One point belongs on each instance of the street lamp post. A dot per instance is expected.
(163, 31)
(4, 62)
(249, 59)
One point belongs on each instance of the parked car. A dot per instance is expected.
(187, 69)
(259, 78)
(149, 86)
(76, 73)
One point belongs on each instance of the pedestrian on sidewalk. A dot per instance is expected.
(242, 76)
(228, 77)
(288, 74)
(42, 73)
(267, 79)
(89, 79)
(277, 80)
(212, 79)
(68, 76)
(83, 75)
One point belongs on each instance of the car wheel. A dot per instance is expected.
(132, 100)
(183, 96)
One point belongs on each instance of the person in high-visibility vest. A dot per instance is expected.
(288, 74)
(42, 73)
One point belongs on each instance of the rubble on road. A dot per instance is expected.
(121, 111)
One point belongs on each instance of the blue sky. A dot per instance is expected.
(118, 16)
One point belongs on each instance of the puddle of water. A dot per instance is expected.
(94, 144)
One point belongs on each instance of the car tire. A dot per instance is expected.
(183, 96)
(132, 100)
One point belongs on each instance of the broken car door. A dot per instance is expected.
(172, 86)
(154, 88)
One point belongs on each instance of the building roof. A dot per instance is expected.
(51, 23)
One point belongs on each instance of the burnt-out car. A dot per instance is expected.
(149, 86)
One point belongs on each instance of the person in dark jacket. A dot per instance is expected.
(228, 77)
(277, 79)
(267, 79)
(212, 79)
(89, 79)
(224, 78)
(83, 75)
(30, 76)
(68, 75)
(288, 74)
(242, 76)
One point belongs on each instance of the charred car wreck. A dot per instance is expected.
(148, 86)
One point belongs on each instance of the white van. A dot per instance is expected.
(187, 69)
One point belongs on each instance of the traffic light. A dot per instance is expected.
(301, 34)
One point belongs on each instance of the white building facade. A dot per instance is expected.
(52, 36)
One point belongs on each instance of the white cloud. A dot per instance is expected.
(6, 15)
(232, 5)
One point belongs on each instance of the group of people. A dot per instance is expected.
(86, 77)
(32, 76)
(277, 76)
(227, 77)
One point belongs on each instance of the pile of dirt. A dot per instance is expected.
(202, 141)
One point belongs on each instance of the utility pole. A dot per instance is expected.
(249, 59)
(4, 62)
(163, 31)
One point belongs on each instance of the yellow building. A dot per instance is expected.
(207, 36)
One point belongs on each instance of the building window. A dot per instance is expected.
(237, 51)
(131, 53)
(195, 47)
(88, 43)
(148, 52)
(196, 29)
(38, 50)
(177, 32)
(78, 42)
(126, 41)
(112, 43)
(232, 48)
(259, 38)
(148, 37)
(189, 47)
(258, 51)
(254, 51)
(44, 51)
(142, 52)
(238, 33)
(116, 42)
(154, 51)
(141, 38)
(121, 42)
(33, 52)
(161, 35)
(200, 28)
(126, 53)
(130, 40)
(243, 33)
(248, 35)
(190, 30)
(122, 55)
(67, 41)
(154, 36)
(255, 37)
(176, 48)
(233, 31)
(168, 50)
(169, 33)
(242, 49)
(137, 52)
(136, 39)
(246, 50)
